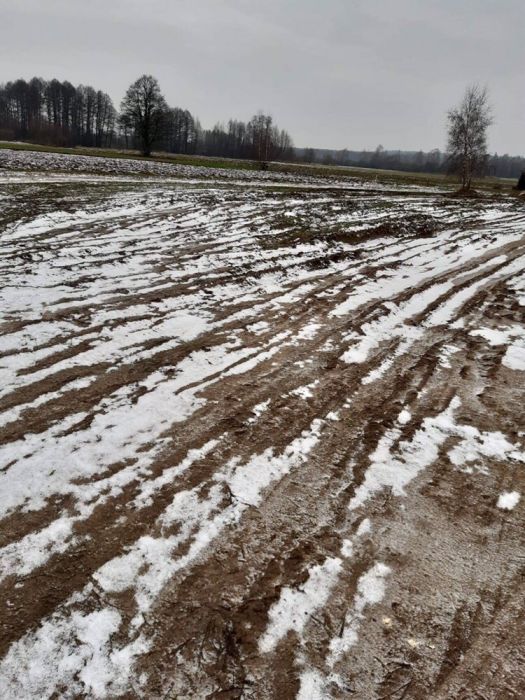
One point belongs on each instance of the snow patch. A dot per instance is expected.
(404, 417)
(295, 607)
(508, 500)
(370, 591)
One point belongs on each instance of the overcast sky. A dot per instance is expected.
(334, 73)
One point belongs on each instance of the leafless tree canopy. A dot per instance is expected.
(267, 141)
(259, 139)
(143, 111)
(467, 135)
(146, 116)
(54, 112)
(58, 113)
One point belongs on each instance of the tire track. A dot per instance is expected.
(197, 386)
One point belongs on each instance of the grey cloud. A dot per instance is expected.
(334, 73)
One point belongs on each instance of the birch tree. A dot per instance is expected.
(467, 135)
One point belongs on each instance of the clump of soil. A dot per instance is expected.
(467, 192)
(414, 225)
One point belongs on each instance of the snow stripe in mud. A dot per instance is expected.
(243, 434)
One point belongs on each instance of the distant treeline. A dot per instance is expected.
(60, 114)
(434, 161)
(57, 113)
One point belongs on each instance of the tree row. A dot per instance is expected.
(60, 114)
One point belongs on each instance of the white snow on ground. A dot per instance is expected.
(496, 336)
(21, 166)
(258, 410)
(308, 332)
(508, 500)
(393, 325)
(33, 550)
(514, 358)
(149, 488)
(246, 482)
(305, 392)
(371, 588)
(370, 591)
(312, 686)
(51, 461)
(473, 445)
(76, 652)
(445, 313)
(365, 527)
(146, 568)
(14, 414)
(404, 417)
(396, 463)
(397, 471)
(151, 562)
(71, 291)
(513, 337)
(444, 355)
(295, 607)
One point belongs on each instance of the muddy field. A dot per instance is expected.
(259, 441)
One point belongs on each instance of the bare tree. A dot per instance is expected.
(180, 133)
(467, 135)
(260, 134)
(308, 155)
(56, 112)
(144, 108)
(267, 142)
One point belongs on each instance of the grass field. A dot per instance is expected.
(313, 170)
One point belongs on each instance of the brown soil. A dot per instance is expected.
(455, 595)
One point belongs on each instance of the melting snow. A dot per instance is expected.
(295, 607)
(76, 653)
(404, 417)
(509, 500)
(514, 358)
(370, 591)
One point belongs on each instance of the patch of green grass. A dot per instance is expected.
(175, 158)
(336, 172)
(395, 177)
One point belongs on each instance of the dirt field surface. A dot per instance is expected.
(259, 442)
